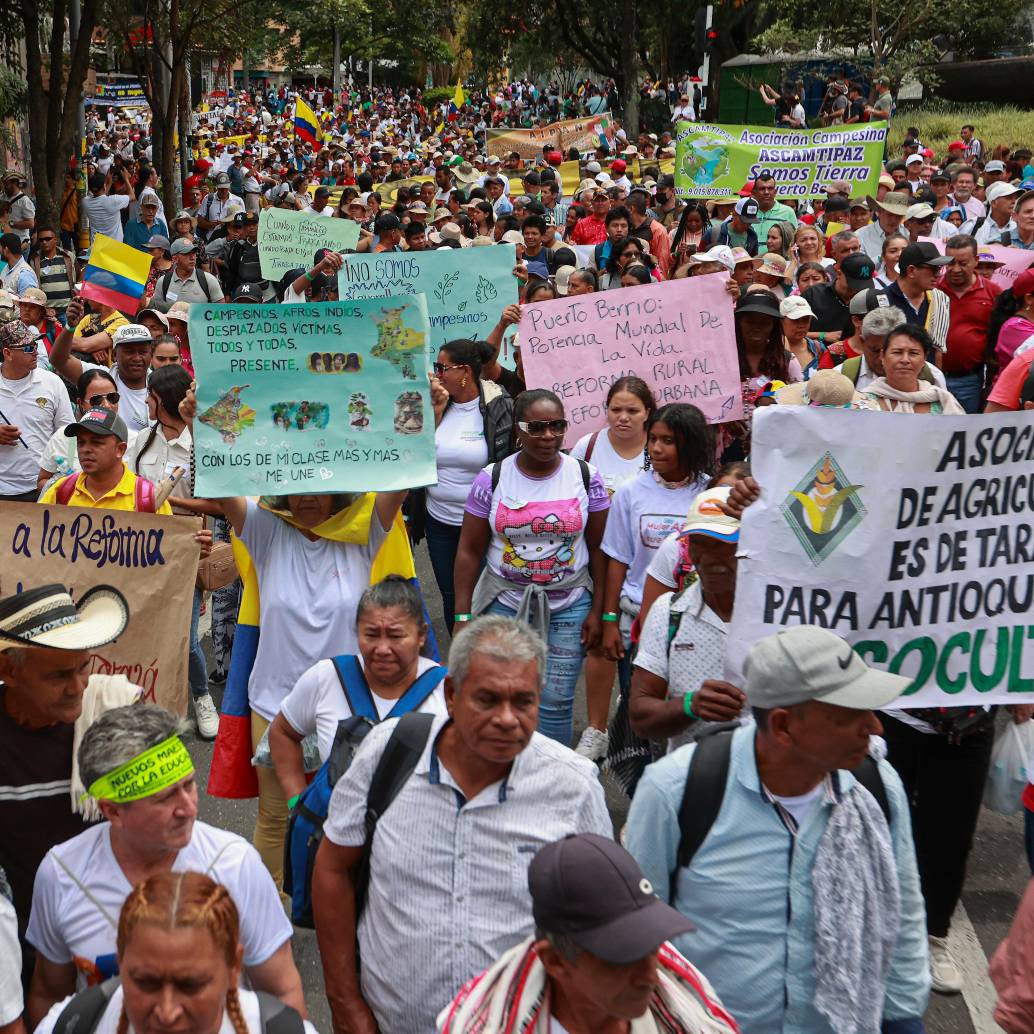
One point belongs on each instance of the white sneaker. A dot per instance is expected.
(593, 743)
(207, 716)
(943, 968)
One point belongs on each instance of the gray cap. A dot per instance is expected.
(182, 246)
(809, 663)
(158, 241)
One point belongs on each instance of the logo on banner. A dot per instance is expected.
(823, 509)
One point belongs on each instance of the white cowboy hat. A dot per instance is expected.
(48, 616)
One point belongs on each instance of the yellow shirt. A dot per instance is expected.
(93, 324)
(121, 497)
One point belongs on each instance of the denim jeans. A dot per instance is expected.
(197, 668)
(225, 603)
(966, 388)
(564, 659)
(442, 542)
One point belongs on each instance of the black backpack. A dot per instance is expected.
(497, 468)
(704, 792)
(84, 1012)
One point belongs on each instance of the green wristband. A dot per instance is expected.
(610, 616)
(687, 707)
(292, 801)
(462, 617)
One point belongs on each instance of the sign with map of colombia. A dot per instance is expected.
(678, 336)
(715, 160)
(466, 288)
(315, 398)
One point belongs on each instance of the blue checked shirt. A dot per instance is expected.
(748, 890)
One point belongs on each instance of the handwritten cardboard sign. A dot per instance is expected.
(289, 240)
(677, 335)
(150, 559)
(466, 288)
(324, 397)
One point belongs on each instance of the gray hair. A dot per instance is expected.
(561, 943)
(392, 591)
(502, 639)
(843, 237)
(880, 322)
(122, 733)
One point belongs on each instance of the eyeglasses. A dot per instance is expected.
(440, 368)
(537, 428)
(111, 397)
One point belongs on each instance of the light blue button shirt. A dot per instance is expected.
(748, 890)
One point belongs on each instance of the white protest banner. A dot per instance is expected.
(289, 240)
(150, 559)
(466, 288)
(677, 335)
(908, 535)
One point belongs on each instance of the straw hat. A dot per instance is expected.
(47, 616)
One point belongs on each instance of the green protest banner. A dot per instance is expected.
(324, 397)
(466, 288)
(289, 240)
(715, 160)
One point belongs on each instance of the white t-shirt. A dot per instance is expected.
(614, 468)
(132, 406)
(108, 1022)
(538, 526)
(103, 213)
(309, 592)
(11, 1003)
(317, 702)
(461, 452)
(60, 456)
(67, 926)
(37, 405)
(643, 514)
(665, 560)
(162, 457)
(801, 806)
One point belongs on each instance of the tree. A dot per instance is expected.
(54, 87)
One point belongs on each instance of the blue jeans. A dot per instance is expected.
(442, 542)
(197, 667)
(1028, 828)
(966, 388)
(564, 658)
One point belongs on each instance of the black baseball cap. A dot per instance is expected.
(858, 270)
(386, 222)
(247, 293)
(921, 254)
(836, 203)
(763, 302)
(590, 889)
(243, 218)
(100, 421)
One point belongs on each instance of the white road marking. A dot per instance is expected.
(977, 989)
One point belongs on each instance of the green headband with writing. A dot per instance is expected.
(156, 769)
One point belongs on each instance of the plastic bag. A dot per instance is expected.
(1007, 777)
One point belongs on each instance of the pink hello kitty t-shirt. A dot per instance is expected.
(538, 526)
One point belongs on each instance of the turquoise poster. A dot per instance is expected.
(466, 288)
(316, 398)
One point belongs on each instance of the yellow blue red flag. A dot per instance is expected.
(306, 125)
(116, 274)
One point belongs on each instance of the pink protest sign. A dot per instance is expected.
(677, 335)
(1014, 260)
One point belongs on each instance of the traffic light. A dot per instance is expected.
(711, 40)
(700, 30)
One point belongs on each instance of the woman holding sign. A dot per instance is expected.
(535, 520)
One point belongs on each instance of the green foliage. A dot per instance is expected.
(939, 123)
(13, 102)
(438, 94)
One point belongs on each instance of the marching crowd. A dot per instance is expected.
(795, 847)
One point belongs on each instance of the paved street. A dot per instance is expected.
(997, 876)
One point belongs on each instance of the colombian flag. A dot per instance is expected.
(306, 125)
(116, 274)
(232, 774)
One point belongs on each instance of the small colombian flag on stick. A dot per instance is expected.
(306, 125)
(116, 274)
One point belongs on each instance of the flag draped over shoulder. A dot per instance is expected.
(306, 125)
(232, 774)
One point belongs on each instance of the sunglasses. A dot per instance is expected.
(440, 368)
(95, 400)
(537, 428)
(45, 240)
(27, 349)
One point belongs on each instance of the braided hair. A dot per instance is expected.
(171, 900)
